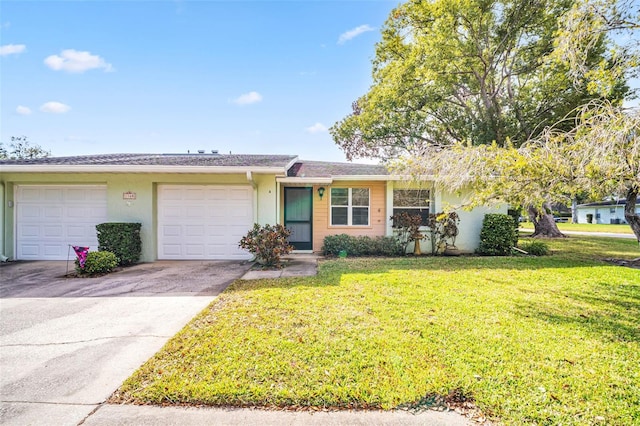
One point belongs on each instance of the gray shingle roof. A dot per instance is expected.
(311, 169)
(209, 160)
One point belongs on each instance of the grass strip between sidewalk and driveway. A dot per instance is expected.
(548, 340)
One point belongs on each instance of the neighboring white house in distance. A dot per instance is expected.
(610, 211)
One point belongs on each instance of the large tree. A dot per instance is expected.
(468, 71)
(601, 153)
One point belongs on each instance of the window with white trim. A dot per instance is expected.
(350, 206)
(412, 201)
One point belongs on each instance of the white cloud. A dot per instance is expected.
(23, 110)
(317, 128)
(353, 33)
(248, 98)
(54, 107)
(71, 60)
(10, 49)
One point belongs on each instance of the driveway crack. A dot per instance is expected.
(73, 342)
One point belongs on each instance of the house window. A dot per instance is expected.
(612, 210)
(412, 201)
(350, 206)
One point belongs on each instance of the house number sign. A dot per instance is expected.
(129, 195)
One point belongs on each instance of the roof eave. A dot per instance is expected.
(310, 180)
(105, 168)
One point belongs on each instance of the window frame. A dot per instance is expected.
(422, 210)
(350, 206)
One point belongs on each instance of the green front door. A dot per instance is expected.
(298, 208)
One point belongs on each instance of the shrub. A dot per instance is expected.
(362, 245)
(498, 235)
(267, 243)
(334, 244)
(407, 227)
(122, 239)
(535, 248)
(97, 262)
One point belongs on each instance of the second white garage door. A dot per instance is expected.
(203, 221)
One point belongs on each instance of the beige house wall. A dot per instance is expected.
(144, 208)
(322, 219)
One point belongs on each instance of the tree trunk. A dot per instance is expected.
(574, 210)
(543, 223)
(633, 219)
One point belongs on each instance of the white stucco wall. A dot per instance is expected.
(470, 220)
(603, 214)
(470, 225)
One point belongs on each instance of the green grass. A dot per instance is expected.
(586, 227)
(545, 340)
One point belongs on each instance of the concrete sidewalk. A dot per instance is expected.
(109, 415)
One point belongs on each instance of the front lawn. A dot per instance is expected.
(552, 340)
(585, 227)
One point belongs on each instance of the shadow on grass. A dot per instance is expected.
(612, 312)
(331, 271)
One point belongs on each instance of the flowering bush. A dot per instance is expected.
(97, 262)
(267, 242)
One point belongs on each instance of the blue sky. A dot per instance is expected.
(250, 77)
(259, 77)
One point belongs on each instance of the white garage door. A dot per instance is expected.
(203, 221)
(50, 217)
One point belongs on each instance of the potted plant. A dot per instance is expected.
(449, 233)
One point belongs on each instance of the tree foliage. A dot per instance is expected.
(452, 73)
(600, 153)
(582, 29)
(448, 71)
(21, 148)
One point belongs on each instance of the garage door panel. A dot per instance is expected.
(29, 212)
(204, 221)
(76, 195)
(31, 194)
(28, 231)
(78, 231)
(51, 217)
(52, 231)
(194, 231)
(54, 249)
(196, 211)
(195, 250)
(194, 194)
(29, 250)
(52, 194)
(236, 194)
(172, 249)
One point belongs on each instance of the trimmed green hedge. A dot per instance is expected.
(498, 235)
(362, 245)
(122, 239)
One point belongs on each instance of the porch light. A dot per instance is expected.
(321, 192)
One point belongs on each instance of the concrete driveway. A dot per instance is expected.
(67, 343)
